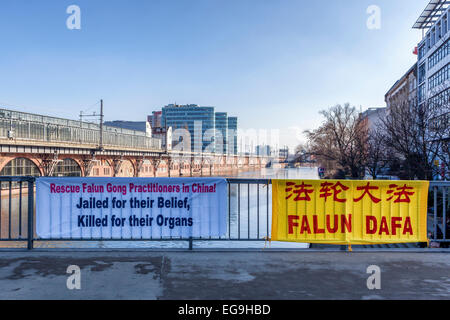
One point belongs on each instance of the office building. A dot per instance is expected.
(263, 150)
(199, 123)
(155, 119)
(221, 123)
(232, 135)
(206, 130)
(433, 66)
(372, 118)
(143, 126)
(404, 90)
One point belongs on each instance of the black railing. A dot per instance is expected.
(440, 211)
(249, 212)
(17, 224)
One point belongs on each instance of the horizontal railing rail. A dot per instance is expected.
(249, 212)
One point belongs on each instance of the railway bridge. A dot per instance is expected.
(39, 145)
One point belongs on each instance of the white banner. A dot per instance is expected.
(131, 208)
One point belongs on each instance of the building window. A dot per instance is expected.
(422, 73)
(422, 51)
(444, 25)
(440, 100)
(439, 77)
(439, 54)
(422, 93)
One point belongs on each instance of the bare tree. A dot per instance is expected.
(302, 154)
(376, 153)
(341, 139)
(444, 156)
(416, 134)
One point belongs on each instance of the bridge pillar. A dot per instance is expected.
(48, 163)
(139, 165)
(155, 165)
(87, 163)
(117, 165)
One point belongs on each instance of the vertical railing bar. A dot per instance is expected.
(444, 213)
(248, 210)
(435, 214)
(267, 209)
(239, 211)
(191, 244)
(20, 209)
(229, 210)
(9, 208)
(257, 209)
(1, 189)
(30, 213)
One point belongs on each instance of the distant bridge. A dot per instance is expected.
(33, 144)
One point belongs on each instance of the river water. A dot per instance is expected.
(250, 218)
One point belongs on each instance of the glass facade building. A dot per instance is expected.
(433, 52)
(434, 71)
(206, 128)
(232, 135)
(221, 132)
(198, 121)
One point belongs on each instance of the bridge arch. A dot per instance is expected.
(146, 169)
(102, 168)
(20, 166)
(68, 167)
(162, 168)
(127, 169)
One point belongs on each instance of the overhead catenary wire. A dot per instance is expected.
(24, 108)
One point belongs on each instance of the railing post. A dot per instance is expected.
(191, 244)
(435, 191)
(30, 213)
(444, 213)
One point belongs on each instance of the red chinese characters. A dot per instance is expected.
(335, 191)
(330, 189)
(402, 195)
(302, 191)
(367, 191)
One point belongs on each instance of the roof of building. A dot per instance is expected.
(371, 111)
(431, 14)
(404, 77)
(129, 125)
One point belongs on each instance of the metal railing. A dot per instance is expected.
(249, 209)
(440, 211)
(22, 126)
(249, 212)
(17, 224)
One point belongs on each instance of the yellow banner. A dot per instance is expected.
(349, 211)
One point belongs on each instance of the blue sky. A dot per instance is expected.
(273, 63)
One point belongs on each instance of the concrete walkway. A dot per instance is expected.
(224, 275)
